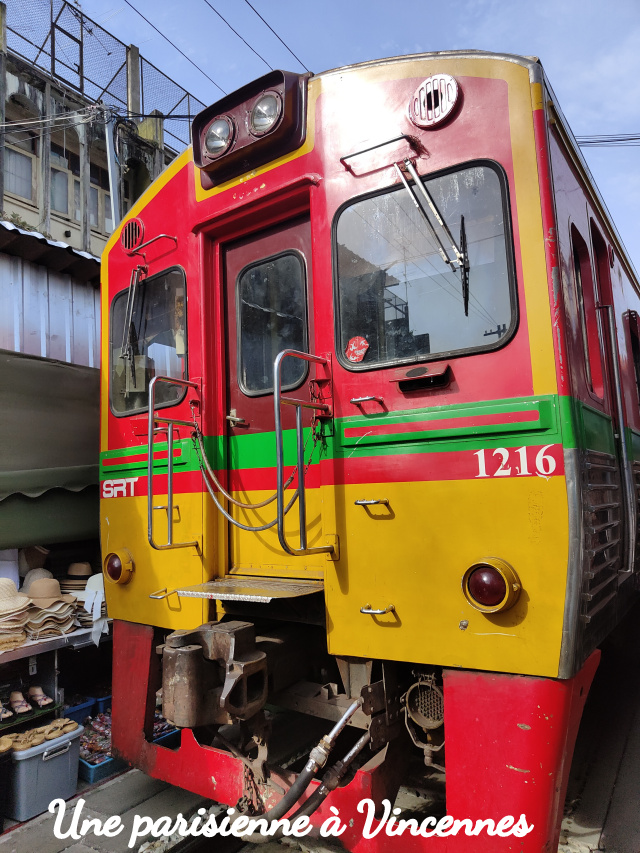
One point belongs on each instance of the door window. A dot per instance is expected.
(271, 311)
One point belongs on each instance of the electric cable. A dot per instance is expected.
(276, 35)
(211, 80)
(213, 9)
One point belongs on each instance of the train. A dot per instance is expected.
(370, 452)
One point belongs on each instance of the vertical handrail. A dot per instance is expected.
(152, 430)
(278, 400)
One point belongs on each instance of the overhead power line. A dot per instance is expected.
(612, 140)
(174, 46)
(213, 9)
(275, 34)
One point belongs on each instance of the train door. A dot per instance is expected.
(268, 293)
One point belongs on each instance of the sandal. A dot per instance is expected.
(26, 740)
(5, 713)
(37, 695)
(18, 703)
(6, 744)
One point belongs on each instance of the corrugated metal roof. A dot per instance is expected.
(55, 255)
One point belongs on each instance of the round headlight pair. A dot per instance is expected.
(491, 585)
(264, 116)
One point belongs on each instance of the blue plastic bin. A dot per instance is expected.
(80, 712)
(102, 704)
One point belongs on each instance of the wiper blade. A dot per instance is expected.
(464, 269)
(126, 350)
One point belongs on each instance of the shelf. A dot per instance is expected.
(74, 640)
(31, 717)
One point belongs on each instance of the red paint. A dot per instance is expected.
(446, 423)
(509, 743)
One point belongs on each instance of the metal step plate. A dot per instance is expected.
(243, 588)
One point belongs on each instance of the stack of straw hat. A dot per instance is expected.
(76, 578)
(14, 614)
(52, 612)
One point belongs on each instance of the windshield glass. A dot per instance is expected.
(155, 342)
(398, 298)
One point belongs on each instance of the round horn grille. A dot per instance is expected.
(425, 704)
(132, 235)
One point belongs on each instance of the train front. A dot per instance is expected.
(334, 504)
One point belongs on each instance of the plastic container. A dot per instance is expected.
(97, 772)
(102, 704)
(5, 770)
(42, 774)
(168, 739)
(80, 712)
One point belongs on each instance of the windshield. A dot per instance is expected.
(398, 298)
(155, 342)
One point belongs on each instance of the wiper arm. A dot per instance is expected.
(425, 197)
(424, 202)
(420, 204)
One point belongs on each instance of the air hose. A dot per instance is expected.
(317, 758)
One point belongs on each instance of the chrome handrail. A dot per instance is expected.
(151, 431)
(278, 400)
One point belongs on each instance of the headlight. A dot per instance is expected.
(265, 114)
(219, 137)
(491, 585)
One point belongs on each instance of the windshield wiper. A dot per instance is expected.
(424, 202)
(126, 350)
(464, 268)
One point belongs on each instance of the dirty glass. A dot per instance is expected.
(156, 343)
(272, 314)
(398, 299)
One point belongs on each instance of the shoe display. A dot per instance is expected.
(37, 695)
(19, 704)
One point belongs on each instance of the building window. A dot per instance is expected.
(60, 191)
(19, 164)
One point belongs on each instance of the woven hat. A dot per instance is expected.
(11, 600)
(79, 570)
(46, 591)
(34, 575)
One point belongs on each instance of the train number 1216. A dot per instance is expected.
(517, 462)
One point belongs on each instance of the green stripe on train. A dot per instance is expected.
(560, 420)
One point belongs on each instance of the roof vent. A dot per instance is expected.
(434, 100)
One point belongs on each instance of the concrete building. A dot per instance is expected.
(86, 124)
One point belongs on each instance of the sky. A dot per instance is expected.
(590, 51)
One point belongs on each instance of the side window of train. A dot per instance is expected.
(631, 319)
(586, 296)
(272, 316)
(148, 339)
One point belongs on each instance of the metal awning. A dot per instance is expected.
(52, 254)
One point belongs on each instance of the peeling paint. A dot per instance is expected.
(524, 726)
(517, 769)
